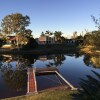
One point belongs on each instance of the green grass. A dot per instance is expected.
(47, 95)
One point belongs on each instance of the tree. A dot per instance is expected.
(47, 33)
(42, 34)
(15, 24)
(2, 39)
(96, 38)
(63, 39)
(96, 21)
(57, 35)
(26, 36)
(30, 45)
(80, 37)
(92, 39)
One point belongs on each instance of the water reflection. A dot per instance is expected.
(95, 61)
(92, 60)
(25, 61)
(57, 61)
(15, 79)
(17, 62)
(13, 69)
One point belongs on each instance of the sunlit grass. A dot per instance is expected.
(91, 50)
(47, 95)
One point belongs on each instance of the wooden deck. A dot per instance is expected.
(31, 84)
(47, 69)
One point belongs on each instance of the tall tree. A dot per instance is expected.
(57, 35)
(46, 33)
(92, 39)
(15, 24)
(26, 36)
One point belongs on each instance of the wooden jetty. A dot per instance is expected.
(46, 70)
(32, 85)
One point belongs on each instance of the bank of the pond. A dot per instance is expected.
(90, 50)
(45, 50)
(47, 95)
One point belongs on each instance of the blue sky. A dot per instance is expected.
(54, 15)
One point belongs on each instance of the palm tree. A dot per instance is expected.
(57, 35)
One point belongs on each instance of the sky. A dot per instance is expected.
(66, 16)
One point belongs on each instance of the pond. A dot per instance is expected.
(72, 66)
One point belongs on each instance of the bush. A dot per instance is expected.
(90, 88)
(30, 45)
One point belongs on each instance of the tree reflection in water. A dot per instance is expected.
(15, 79)
(95, 61)
(14, 70)
(57, 60)
(92, 60)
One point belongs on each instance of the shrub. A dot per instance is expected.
(90, 88)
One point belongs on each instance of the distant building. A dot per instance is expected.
(11, 40)
(74, 41)
(45, 58)
(46, 40)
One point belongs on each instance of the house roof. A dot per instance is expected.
(11, 38)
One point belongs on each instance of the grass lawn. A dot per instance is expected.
(47, 95)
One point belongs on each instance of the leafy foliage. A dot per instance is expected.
(47, 33)
(90, 88)
(96, 21)
(16, 24)
(92, 39)
(58, 61)
(57, 35)
(30, 45)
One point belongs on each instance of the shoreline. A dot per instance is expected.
(90, 50)
(41, 51)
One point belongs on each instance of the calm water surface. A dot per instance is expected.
(13, 73)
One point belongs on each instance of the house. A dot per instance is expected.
(11, 40)
(46, 40)
(74, 41)
(8, 44)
